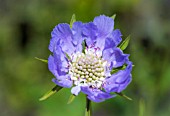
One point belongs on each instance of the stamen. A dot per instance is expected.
(87, 67)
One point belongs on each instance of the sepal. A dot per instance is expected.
(114, 70)
(67, 56)
(42, 60)
(73, 19)
(71, 98)
(50, 93)
(124, 96)
(125, 43)
(83, 46)
(113, 17)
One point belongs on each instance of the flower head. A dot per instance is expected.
(86, 56)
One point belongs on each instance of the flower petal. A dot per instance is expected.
(52, 44)
(51, 66)
(58, 64)
(101, 96)
(104, 25)
(96, 95)
(116, 36)
(126, 83)
(118, 81)
(109, 43)
(75, 90)
(54, 39)
(77, 35)
(64, 81)
(63, 34)
(114, 57)
(90, 33)
(60, 60)
(86, 90)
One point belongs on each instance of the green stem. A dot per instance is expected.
(88, 107)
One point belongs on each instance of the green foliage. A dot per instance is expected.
(141, 107)
(67, 56)
(125, 43)
(71, 99)
(124, 96)
(113, 17)
(84, 46)
(50, 93)
(42, 60)
(114, 70)
(73, 19)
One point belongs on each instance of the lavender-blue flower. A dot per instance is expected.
(89, 70)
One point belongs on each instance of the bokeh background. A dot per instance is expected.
(25, 30)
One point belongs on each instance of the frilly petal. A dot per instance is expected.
(62, 36)
(58, 63)
(52, 44)
(102, 96)
(90, 33)
(118, 81)
(104, 25)
(60, 59)
(109, 43)
(64, 81)
(52, 66)
(116, 36)
(96, 95)
(126, 83)
(115, 57)
(77, 35)
(76, 90)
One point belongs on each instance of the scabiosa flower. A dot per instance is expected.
(86, 56)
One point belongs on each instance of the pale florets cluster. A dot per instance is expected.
(87, 69)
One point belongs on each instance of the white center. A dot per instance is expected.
(87, 69)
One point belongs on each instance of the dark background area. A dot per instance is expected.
(25, 31)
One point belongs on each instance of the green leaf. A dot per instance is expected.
(123, 95)
(50, 93)
(113, 17)
(141, 107)
(73, 19)
(71, 98)
(125, 43)
(84, 46)
(114, 70)
(68, 57)
(42, 60)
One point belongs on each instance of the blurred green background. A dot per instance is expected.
(25, 31)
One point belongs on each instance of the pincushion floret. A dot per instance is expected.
(88, 68)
